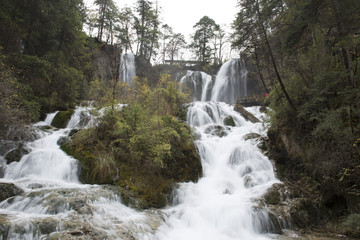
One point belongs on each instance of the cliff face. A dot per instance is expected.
(106, 62)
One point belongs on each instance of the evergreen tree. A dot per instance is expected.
(204, 33)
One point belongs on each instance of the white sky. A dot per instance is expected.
(182, 15)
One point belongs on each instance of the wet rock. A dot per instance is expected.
(4, 227)
(216, 130)
(2, 167)
(251, 136)
(22, 134)
(8, 190)
(62, 140)
(272, 196)
(263, 146)
(62, 118)
(229, 121)
(245, 114)
(47, 225)
(16, 154)
(35, 186)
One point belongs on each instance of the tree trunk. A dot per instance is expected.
(272, 58)
(259, 71)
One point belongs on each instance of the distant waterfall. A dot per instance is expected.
(200, 83)
(231, 82)
(127, 69)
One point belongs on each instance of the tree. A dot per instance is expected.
(125, 29)
(204, 33)
(251, 25)
(48, 48)
(176, 42)
(219, 40)
(147, 25)
(108, 16)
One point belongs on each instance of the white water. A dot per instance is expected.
(231, 82)
(55, 203)
(220, 206)
(199, 83)
(127, 69)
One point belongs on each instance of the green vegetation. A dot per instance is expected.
(144, 148)
(307, 53)
(62, 118)
(46, 50)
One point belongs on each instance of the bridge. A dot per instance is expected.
(185, 62)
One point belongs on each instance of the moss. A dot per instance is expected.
(62, 118)
(229, 121)
(8, 190)
(106, 156)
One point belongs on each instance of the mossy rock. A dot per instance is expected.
(16, 154)
(250, 136)
(229, 121)
(62, 118)
(8, 190)
(272, 196)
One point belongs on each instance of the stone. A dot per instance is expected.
(251, 136)
(62, 118)
(272, 196)
(229, 121)
(8, 190)
(216, 130)
(16, 154)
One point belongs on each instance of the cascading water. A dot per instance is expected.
(54, 205)
(127, 68)
(199, 83)
(231, 82)
(220, 205)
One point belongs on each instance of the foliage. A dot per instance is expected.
(314, 47)
(147, 26)
(143, 141)
(16, 99)
(204, 33)
(46, 45)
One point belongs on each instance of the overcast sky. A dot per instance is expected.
(182, 15)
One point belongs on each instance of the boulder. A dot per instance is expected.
(216, 130)
(229, 121)
(62, 118)
(8, 190)
(16, 154)
(272, 196)
(251, 136)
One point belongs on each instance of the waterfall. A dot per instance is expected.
(220, 205)
(199, 83)
(54, 204)
(231, 82)
(127, 68)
